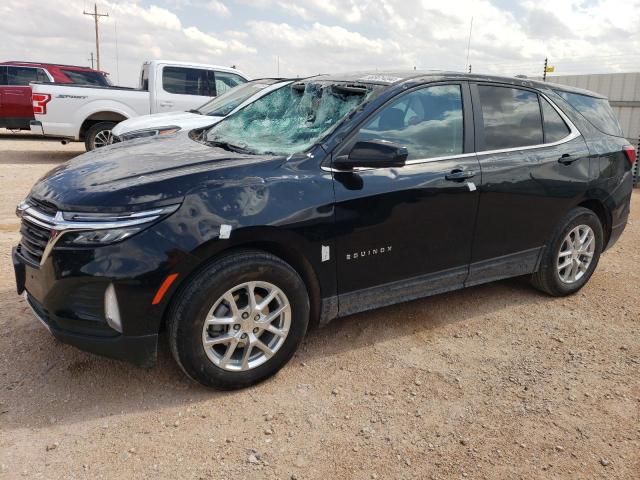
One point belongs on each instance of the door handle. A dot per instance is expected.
(458, 175)
(567, 159)
(166, 104)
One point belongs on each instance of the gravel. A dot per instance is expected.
(496, 381)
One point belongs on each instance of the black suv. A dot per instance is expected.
(335, 195)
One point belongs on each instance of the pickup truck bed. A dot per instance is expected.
(72, 110)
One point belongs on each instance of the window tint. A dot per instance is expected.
(80, 77)
(554, 127)
(21, 75)
(596, 110)
(427, 121)
(510, 116)
(226, 81)
(185, 81)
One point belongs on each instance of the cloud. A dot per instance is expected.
(216, 6)
(311, 36)
(60, 33)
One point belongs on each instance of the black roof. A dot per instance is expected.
(391, 77)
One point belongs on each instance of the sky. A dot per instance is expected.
(271, 37)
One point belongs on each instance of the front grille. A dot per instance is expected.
(33, 242)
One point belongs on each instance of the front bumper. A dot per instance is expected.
(139, 350)
(67, 294)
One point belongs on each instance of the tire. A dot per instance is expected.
(549, 278)
(195, 303)
(90, 141)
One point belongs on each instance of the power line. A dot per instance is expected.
(95, 16)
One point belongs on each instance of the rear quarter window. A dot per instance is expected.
(596, 110)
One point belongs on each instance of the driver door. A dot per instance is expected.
(406, 232)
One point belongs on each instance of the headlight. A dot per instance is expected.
(89, 229)
(148, 132)
(98, 237)
(105, 228)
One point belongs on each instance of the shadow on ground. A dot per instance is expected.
(37, 156)
(73, 386)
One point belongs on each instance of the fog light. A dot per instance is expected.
(111, 310)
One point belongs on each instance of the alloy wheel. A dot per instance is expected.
(103, 138)
(246, 326)
(576, 254)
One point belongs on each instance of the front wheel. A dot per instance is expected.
(239, 320)
(99, 135)
(573, 254)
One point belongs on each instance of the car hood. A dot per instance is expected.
(144, 172)
(184, 120)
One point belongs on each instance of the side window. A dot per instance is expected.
(3, 75)
(510, 116)
(226, 81)
(427, 121)
(21, 76)
(185, 81)
(554, 127)
(41, 76)
(596, 110)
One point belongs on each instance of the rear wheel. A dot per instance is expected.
(239, 321)
(573, 254)
(99, 135)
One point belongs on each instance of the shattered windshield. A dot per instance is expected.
(223, 105)
(289, 119)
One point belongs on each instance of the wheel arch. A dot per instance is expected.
(287, 252)
(603, 213)
(97, 117)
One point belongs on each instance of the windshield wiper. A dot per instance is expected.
(230, 147)
(194, 110)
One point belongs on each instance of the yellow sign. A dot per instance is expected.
(550, 69)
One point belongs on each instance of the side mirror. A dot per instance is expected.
(372, 154)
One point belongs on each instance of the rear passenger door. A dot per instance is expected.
(535, 167)
(183, 88)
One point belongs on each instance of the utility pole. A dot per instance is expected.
(544, 74)
(95, 16)
(91, 58)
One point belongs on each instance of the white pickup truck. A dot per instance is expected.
(85, 113)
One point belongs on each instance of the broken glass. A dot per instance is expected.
(290, 119)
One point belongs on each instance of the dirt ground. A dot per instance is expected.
(496, 381)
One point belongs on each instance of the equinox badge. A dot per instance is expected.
(368, 253)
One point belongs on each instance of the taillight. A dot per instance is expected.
(631, 154)
(40, 101)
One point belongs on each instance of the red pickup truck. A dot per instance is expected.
(16, 107)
